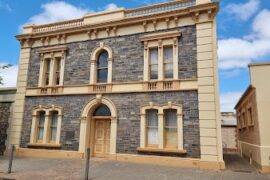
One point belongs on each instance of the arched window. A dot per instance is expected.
(102, 67)
(102, 110)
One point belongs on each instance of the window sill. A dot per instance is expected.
(49, 145)
(157, 150)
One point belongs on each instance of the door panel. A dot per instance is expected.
(102, 138)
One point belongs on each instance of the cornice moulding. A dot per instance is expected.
(175, 13)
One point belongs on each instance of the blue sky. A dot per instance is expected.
(243, 34)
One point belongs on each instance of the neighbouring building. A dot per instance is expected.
(7, 97)
(253, 118)
(133, 85)
(229, 132)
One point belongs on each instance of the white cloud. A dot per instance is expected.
(243, 11)
(57, 11)
(228, 101)
(239, 52)
(110, 7)
(9, 75)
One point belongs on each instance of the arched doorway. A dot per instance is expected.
(98, 127)
(100, 131)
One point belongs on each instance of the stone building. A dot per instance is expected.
(133, 85)
(7, 96)
(229, 132)
(253, 117)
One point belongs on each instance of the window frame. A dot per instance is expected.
(161, 127)
(94, 60)
(161, 40)
(54, 56)
(102, 68)
(47, 139)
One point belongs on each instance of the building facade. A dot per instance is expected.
(253, 118)
(229, 132)
(7, 96)
(130, 84)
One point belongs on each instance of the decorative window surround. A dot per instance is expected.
(94, 58)
(160, 40)
(161, 128)
(46, 141)
(53, 55)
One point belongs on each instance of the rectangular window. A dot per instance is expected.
(47, 67)
(153, 63)
(57, 71)
(54, 125)
(170, 128)
(152, 127)
(250, 116)
(41, 125)
(244, 119)
(168, 62)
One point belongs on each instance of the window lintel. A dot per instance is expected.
(160, 36)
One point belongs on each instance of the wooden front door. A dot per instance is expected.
(102, 138)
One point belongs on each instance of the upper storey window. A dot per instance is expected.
(102, 67)
(161, 56)
(154, 63)
(52, 67)
(168, 62)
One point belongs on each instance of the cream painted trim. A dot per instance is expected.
(94, 59)
(161, 141)
(86, 118)
(47, 125)
(159, 36)
(160, 86)
(141, 159)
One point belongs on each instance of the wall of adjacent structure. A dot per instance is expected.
(5, 109)
(229, 138)
(258, 74)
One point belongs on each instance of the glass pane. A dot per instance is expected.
(53, 134)
(102, 75)
(154, 71)
(168, 54)
(54, 118)
(102, 110)
(41, 125)
(152, 118)
(40, 133)
(170, 118)
(171, 137)
(152, 136)
(168, 68)
(57, 72)
(103, 60)
(154, 56)
(41, 119)
(48, 65)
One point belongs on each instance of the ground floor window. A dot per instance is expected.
(46, 125)
(162, 127)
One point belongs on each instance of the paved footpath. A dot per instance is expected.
(58, 169)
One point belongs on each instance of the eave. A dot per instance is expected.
(210, 8)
